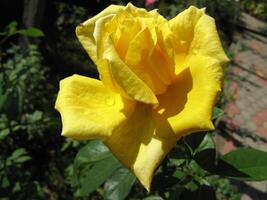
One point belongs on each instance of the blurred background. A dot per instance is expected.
(38, 48)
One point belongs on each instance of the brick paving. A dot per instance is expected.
(245, 119)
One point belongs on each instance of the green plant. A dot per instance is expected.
(257, 8)
(37, 163)
(31, 161)
(192, 170)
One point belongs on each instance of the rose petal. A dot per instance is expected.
(88, 110)
(129, 83)
(183, 26)
(140, 57)
(187, 105)
(136, 146)
(206, 40)
(195, 33)
(85, 31)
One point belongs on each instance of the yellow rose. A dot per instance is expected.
(159, 82)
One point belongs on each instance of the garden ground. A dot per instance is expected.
(244, 123)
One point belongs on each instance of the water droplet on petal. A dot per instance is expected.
(183, 42)
(161, 111)
(110, 101)
(195, 51)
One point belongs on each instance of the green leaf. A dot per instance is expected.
(206, 159)
(175, 195)
(17, 187)
(5, 182)
(92, 152)
(20, 100)
(177, 162)
(17, 153)
(196, 170)
(96, 174)
(3, 98)
(11, 105)
(11, 28)
(36, 116)
(194, 140)
(31, 32)
(192, 185)
(206, 143)
(244, 164)
(93, 165)
(22, 159)
(205, 155)
(203, 193)
(4, 133)
(179, 174)
(118, 186)
(18, 156)
(217, 112)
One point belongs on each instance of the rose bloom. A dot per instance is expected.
(159, 81)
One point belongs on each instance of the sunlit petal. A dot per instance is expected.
(85, 31)
(187, 105)
(195, 34)
(137, 147)
(88, 110)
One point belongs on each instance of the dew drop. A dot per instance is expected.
(195, 51)
(110, 101)
(161, 111)
(183, 42)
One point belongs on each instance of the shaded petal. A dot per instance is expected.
(195, 33)
(88, 110)
(183, 26)
(187, 105)
(140, 53)
(140, 44)
(129, 83)
(137, 147)
(163, 54)
(105, 75)
(124, 35)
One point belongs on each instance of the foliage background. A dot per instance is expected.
(35, 161)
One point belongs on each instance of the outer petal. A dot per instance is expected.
(183, 26)
(85, 31)
(187, 105)
(195, 33)
(136, 146)
(88, 110)
(206, 40)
